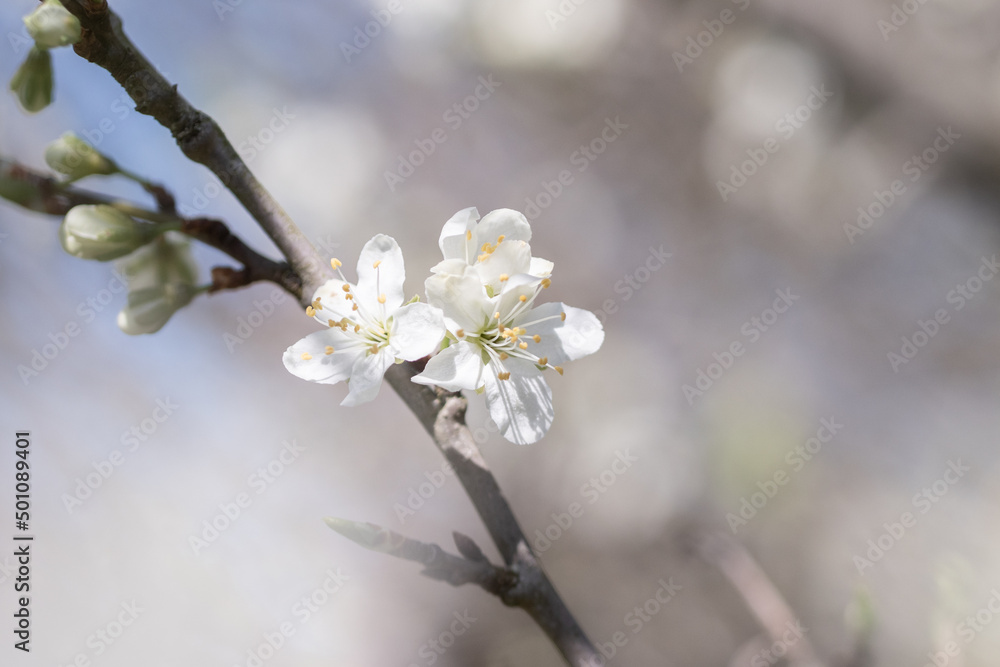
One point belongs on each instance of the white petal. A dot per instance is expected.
(512, 225)
(540, 267)
(516, 287)
(522, 405)
(453, 241)
(510, 258)
(417, 330)
(579, 335)
(318, 366)
(386, 279)
(462, 299)
(366, 377)
(453, 266)
(333, 302)
(459, 366)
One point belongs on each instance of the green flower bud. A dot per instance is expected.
(32, 83)
(149, 309)
(71, 155)
(102, 233)
(52, 25)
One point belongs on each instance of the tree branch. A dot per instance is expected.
(104, 43)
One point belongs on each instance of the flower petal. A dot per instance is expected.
(417, 330)
(540, 267)
(459, 366)
(453, 242)
(380, 272)
(366, 377)
(510, 224)
(521, 405)
(461, 297)
(509, 259)
(308, 359)
(575, 337)
(333, 302)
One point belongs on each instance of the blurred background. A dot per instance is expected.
(812, 370)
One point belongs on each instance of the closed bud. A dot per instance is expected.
(149, 309)
(101, 233)
(32, 83)
(51, 25)
(71, 155)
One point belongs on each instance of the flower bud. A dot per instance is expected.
(71, 155)
(51, 25)
(32, 83)
(101, 232)
(150, 308)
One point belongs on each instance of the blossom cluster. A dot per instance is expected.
(480, 327)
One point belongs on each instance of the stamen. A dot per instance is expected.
(546, 282)
(374, 348)
(543, 361)
(520, 331)
(377, 262)
(345, 287)
(504, 277)
(329, 350)
(558, 369)
(503, 356)
(483, 256)
(310, 311)
(500, 239)
(501, 328)
(536, 338)
(306, 356)
(468, 234)
(523, 298)
(523, 345)
(336, 263)
(355, 307)
(562, 316)
(331, 323)
(357, 328)
(496, 315)
(503, 376)
(349, 297)
(460, 333)
(381, 298)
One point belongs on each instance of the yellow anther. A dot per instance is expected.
(374, 348)
(357, 328)
(349, 297)
(310, 311)
(520, 331)
(376, 263)
(558, 369)
(501, 328)
(460, 333)
(318, 299)
(345, 287)
(381, 298)
(336, 263)
(483, 256)
(331, 323)
(543, 361)
(504, 376)
(468, 234)
(496, 315)
(500, 239)
(536, 338)
(523, 345)
(355, 307)
(329, 350)
(546, 282)
(523, 298)
(503, 356)
(562, 316)
(306, 356)
(504, 277)
(486, 247)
